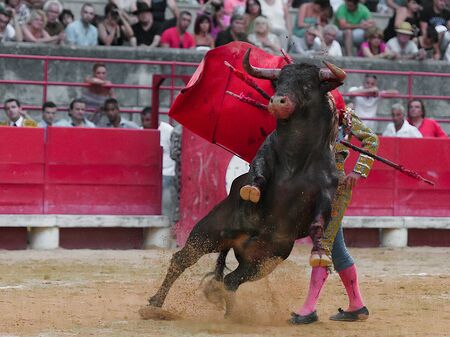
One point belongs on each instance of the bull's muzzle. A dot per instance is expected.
(281, 106)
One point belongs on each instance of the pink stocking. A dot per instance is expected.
(318, 277)
(349, 278)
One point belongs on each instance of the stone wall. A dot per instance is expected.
(142, 75)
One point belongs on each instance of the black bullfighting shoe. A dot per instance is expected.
(250, 193)
(297, 319)
(351, 316)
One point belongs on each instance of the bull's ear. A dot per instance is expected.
(326, 86)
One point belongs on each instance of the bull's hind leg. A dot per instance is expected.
(204, 239)
(180, 261)
(214, 289)
(246, 271)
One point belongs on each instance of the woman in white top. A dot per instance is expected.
(263, 38)
(277, 13)
(329, 44)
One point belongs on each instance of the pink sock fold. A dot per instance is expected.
(349, 278)
(318, 277)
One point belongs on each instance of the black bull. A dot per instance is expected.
(297, 161)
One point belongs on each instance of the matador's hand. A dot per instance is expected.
(351, 179)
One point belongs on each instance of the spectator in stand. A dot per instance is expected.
(16, 117)
(34, 31)
(353, 19)
(21, 10)
(395, 4)
(366, 105)
(427, 127)
(77, 109)
(97, 92)
(428, 44)
(236, 32)
(175, 154)
(436, 15)
(232, 7)
(374, 46)
(277, 13)
(49, 111)
(263, 38)
(220, 20)
(128, 7)
(168, 164)
(310, 14)
(114, 30)
(252, 11)
(202, 32)
(399, 127)
(82, 32)
(66, 17)
(9, 32)
(159, 12)
(401, 46)
(309, 45)
(146, 31)
(409, 13)
(113, 116)
(178, 37)
(35, 4)
(329, 45)
(53, 9)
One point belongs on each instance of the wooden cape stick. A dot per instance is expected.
(398, 167)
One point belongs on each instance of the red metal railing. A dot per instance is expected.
(45, 83)
(173, 75)
(409, 92)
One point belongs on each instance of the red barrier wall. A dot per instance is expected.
(22, 165)
(386, 192)
(80, 171)
(102, 171)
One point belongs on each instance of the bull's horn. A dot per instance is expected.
(264, 73)
(332, 72)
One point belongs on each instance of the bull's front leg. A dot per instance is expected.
(319, 255)
(260, 171)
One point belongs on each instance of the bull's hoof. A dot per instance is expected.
(319, 260)
(154, 301)
(157, 314)
(250, 193)
(214, 292)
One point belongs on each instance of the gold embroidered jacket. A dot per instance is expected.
(369, 142)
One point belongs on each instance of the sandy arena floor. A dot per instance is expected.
(99, 293)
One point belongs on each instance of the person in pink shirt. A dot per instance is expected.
(374, 45)
(178, 37)
(427, 127)
(234, 7)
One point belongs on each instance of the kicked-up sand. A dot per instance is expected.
(99, 293)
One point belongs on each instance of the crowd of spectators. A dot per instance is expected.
(417, 29)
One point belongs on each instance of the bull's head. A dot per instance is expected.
(295, 83)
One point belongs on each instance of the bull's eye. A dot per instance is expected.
(282, 101)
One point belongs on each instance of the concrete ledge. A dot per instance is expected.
(44, 229)
(396, 222)
(394, 229)
(87, 221)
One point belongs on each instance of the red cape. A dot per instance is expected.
(205, 108)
